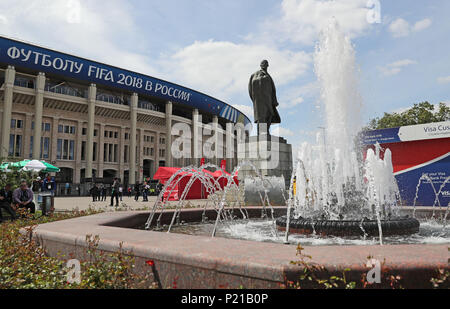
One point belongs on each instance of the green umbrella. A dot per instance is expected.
(50, 168)
(18, 165)
(4, 166)
(25, 164)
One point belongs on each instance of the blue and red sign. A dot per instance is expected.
(45, 60)
(420, 155)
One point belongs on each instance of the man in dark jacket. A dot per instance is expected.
(23, 198)
(6, 197)
(115, 192)
(137, 191)
(94, 193)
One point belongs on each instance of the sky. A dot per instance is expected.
(215, 45)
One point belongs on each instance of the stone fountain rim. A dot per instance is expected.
(206, 261)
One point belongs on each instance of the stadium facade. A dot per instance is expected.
(96, 121)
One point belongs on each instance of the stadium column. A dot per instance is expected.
(92, 97)
(157, 148)
(133, 137)
(101, 156)
(141, 154)
(196, 149)
(218, 141)
(54, 154)
(169, 107)
(28, 132)
(77, 171)
(10, 76)
(38, 111)
(230, 146)
(122, 154)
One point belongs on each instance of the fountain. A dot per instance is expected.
(338, 192)
(225, 200)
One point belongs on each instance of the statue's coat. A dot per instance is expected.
(264, 96)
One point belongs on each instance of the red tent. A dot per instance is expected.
(163, 174)
(197, 190)
(222, 177)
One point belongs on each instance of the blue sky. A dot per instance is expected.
(215, 45)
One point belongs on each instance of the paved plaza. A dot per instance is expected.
(84, 203)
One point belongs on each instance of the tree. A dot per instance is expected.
(14, 177)
(421, 113)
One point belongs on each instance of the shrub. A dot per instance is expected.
(25, 265)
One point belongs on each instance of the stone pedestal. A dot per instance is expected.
(271, 155)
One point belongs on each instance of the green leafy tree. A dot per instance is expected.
(14, 177)
(421, 113)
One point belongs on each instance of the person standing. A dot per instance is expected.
(115, 192)
(137, 191)
(37, 185)
(145, 192)
(6, 197)
(103, 193)
(129, 192)
(159, 188)
(121, 193)
(23, 198)
(95, 193)
(67, 187)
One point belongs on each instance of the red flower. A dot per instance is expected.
(150, 263)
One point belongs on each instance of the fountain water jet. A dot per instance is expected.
(338, 193)
(217, 196)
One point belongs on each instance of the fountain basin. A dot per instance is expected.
(394, 227)
(203, 262)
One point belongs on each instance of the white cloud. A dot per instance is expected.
(422, 24)
(107, 35)
(296, 95)
(302, 20)
(444, 80)
(396, 67)
(224, 68)
(402, 28)
(3, 19)
(399, 28)
(247, 110)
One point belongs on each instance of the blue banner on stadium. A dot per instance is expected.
(45, 60)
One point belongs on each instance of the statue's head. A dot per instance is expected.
(264, 65)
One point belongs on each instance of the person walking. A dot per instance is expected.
(129, 192)
(6, 198)
(115, 192)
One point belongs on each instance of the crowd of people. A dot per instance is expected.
(23, 198)
(99, 193)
